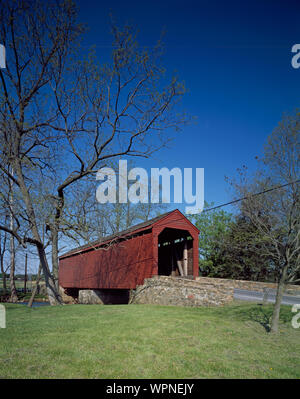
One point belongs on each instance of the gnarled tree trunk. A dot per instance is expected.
(279, 295)
(53, 293)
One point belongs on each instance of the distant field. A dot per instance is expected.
(147, 341)
(19, 285)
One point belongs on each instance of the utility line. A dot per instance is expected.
(252, 195)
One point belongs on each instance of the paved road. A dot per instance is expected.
(245, 295)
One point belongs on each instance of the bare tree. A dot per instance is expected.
(124, 112)
(7, 217)
(85, 220)
(62, 117)
(13, 290)
(276, 213)
(37, 38)
(3, 268)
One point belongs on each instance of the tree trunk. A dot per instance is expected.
(13, 291)
(25, 275)
(53, 293)
(3, 274)
(35, 287)
(279, 294)
(54, 228)
(4, 283)
(54, 254)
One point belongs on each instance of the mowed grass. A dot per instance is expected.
(147, 341)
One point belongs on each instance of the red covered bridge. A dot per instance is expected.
(166, 245)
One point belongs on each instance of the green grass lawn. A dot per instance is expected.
(147, 341)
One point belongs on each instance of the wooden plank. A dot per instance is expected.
(185, 259)
(178, 263)
(173, 273)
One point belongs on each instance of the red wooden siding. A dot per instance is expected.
(123, 265)
(176, 220)
(126, 263)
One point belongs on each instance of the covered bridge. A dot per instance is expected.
(166, 245)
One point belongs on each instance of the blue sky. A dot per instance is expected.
(235, 58)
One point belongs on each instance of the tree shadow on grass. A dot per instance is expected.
(261, 315)
(257, 313)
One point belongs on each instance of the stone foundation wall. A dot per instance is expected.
(103, 297)
(67, 299)
(90, 297)
(247, 285)
(175, 291)
(163, 290)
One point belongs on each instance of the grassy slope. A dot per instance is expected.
(143, 341)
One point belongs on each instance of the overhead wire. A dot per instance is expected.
(252, 195)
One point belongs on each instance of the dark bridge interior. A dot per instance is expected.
(175, 253)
